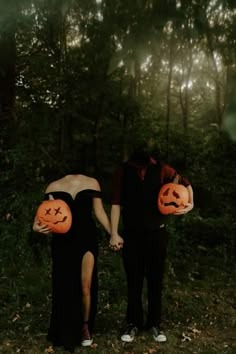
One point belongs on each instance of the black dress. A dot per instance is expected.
(67, 253)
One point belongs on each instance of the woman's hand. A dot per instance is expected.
(41, 228)
(116, 242)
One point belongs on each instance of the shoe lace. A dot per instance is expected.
(85, 331)
(130, 329)
(155, 331)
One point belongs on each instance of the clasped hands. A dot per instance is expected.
(116, 242)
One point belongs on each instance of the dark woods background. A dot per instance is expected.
(81, 81)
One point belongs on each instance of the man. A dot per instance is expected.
(136, 185)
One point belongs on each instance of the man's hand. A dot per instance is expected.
(188, 207)
(116, 242)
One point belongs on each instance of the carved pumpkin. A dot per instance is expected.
(56, 214)
(172, 197)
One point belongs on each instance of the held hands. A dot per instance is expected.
(116, 242)
(188, 207)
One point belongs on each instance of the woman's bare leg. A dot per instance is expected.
(86, 280)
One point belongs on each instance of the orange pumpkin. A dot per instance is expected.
(55, 214)
(172, 197)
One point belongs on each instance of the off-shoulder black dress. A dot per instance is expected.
(67, 252)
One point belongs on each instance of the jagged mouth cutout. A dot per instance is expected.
(172, 203)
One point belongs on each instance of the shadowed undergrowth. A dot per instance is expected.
(199, 306)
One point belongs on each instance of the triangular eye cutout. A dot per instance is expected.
(166, 192)
(175, 194)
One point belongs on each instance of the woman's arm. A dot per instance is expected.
(101, 214)
(99, 210)
(116, 241)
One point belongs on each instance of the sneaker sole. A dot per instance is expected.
(126, 338)
(161, 338)
(87, 342)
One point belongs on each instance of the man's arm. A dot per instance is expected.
(169, 174)
(116, 241)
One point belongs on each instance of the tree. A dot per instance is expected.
(7, 60)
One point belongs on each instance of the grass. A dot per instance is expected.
(199, 307)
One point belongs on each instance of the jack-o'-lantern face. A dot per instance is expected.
(172, 197)
(56, 214)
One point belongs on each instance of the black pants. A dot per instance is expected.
(144, 256)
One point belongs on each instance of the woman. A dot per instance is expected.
(74, 261)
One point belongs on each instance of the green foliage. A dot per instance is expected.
(91, 79)
(198, 310)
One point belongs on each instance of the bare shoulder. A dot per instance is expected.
(55, 185)
(92, 183)
(51, 187)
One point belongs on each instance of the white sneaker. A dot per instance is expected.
(86, 342)
(86, 338)
(158, 335)
(129, 334)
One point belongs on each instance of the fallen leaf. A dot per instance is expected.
(17, 316)
(185, 338)
(195, 331)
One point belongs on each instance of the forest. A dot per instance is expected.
(80, 82)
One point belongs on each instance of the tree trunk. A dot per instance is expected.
(184, 96)
(7, 73)
(168, 97)
(219, 106)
